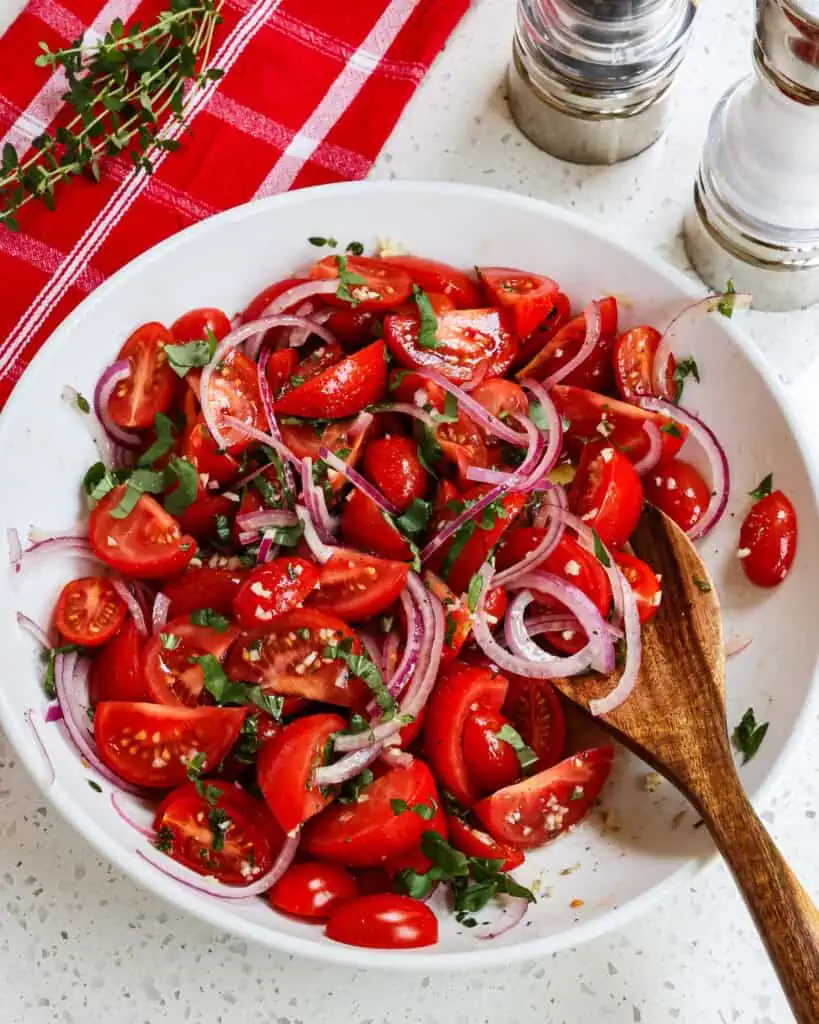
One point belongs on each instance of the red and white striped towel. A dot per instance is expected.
(311, 91)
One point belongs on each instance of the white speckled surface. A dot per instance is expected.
(80, 943)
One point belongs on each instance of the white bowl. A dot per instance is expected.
(44, 451)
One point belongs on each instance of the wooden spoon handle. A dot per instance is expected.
(784, 913)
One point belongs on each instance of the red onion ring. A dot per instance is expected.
(665, 349)
(288, 300)
(594, 328)
(717, 461)
(15, 548)
(133, 606)
(272, 422)
(526, 471)
(253, 522)
(554, 622)
(62, 545)
(469, 513)
(371, 645)
(111, 376)
(51, 775)
(655, 449)
(406, 409)
(346, 768)
(102, 442)
(512, 912)
(358, 481)
(159, 615)
(146, 833)
(321, 552)
(539, 554)
(557, 499)
(326, 525)
(586, 539)
(738, 645)
(473, 408)
(211, 887)
(34, 630)
(278, 446)
(389, 656)
(267, 550)
(634, 654)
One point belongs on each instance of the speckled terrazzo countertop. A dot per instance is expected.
(80, 943)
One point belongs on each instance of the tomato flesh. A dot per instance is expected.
(198, 324)
(363, 526)
(644, 583)
(534, 709)
(677, 489)
(491, 762)
(595, 372)
(529, 297)
(203, 588)
(233, 392)
(272, 589)
(151, 384)
(384, 921)
(312, 889)
(89, 611)
(634, 363)
(767, 540)
(383, 285)
(475, 843)
(392, 464)
(171, 676)
(116, 672)
(344, 389)
(441, 278)
(356, 587)
(607, 493)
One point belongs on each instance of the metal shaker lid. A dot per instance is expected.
(786, 46)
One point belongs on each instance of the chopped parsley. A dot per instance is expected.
(456, 545)
(49, 656)
(268, 492)
(226, 691)
(763, 488)
(355, 248)
(672, 429)
(701, 584)
(192, 354)
(351, 789)
(473, 594)
(141, 481)
(416, 518)
(728, 300)
(600, 552)
(427, 331)
(429, 451)
(318, 241)
(685, 368)
(164, 840)
(426, 811)
(526, 756)
(219, 824)
(364, 668)
(748, 735)
(222, 524)
(182, 496)
(213, 620)
(247, 745)
(346, 279)
(94, 785)
(538, 416)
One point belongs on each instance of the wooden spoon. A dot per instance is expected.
(675, 719)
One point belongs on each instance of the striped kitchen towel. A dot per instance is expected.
(311, 91)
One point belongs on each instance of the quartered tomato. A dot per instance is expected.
(634, 362)
(233, 392)
(287, 657)
(260, 302)
(392, 464)
(372, 831)
(312, 889)
(475, 843)
(592, 417)
(116, 672)
(285, 769)
(248, 837)
(595, 372)
(677, 489)
(462, 442)
(384, 921)
(200, 518)
(171, 676)
(199, 324)
(281, 366)
(458, 690)
(150, 745)
(457, 617)
(363, 526)
(502, 397)
(89, 611)
(355, 586)
(345, 438)
(607, 493)
(495, 604)
(643, 581)
(152, 383)
(492, 761)
(767, 540)
(383, 286)
(529, 297)
(213, 464)
(203, 588)
(413, 857)
(468, 343)
(545, 805)
(559, 315)
(146, 544)
(272, 589)
(534, 709)
(441, 278)
(354, 326)
(341, 390)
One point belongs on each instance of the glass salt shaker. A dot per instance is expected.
(755, 211)
(590, 80)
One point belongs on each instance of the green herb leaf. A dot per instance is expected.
(672, 429)
(427, 332)
(141, 481)
(82, 403)
(213, 620)
(538, 416)
(191, 355)
(450, 413)
(415, 520)
(352, 788)
(364, 668)
(425, 811)
(456, 545)
(347, 279)
(318, 241)
(702, 585)
(685, 368)
(165, 440)
(763, 488)
(726, 304)
(748, 736)
(526, 756)
(600, 552)
(98, 481)
(219, 823)
(164, 839)
(222, 528)
(429, 451)
(227, 691)
(473, 594)
(183, 478)
(355, 248)
(195, 765)
(94, 785)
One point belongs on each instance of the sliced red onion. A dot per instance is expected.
(473, 408)
(554, 425)
(512, 910)
(288, 300)
(389, 656)
(272, 422)
(371, 645)
(655, 449)
(554, 622)
(145, 832)
(737, 645)
(539, 554)
(520, 477)
(347, 767)
(277, 445)
(33, 629)
(557, 499)
(211, 887)
(321, 552)
(159, 614)
(29, 715)
(111, 376)
(267, 550)
(587, 540)
(634, 655)
(395, 757)
(133, 606)
(60, 545)
(102, 442)
(358, 481)
(253, 522)
(683, 319)
(594, 327)
(54, 713)
(717, 461)
(397, 681)
(406, 409)
(15, 548)
(469, 513)
(326, 525)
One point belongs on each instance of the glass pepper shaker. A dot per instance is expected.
(590, 80)
(755, 211)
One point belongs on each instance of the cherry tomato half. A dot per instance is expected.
(595, 372)
(89, 611)
(677, 489)
(197, 324)
(344, 389)
(643, 581)
(491, 762)
(607, 493)
(767, 540)
(355, 586)
(439, 277)
(116, 672)
(384, 921)
(475, 843)
(392, 464)
(313, 889)
(534, 709)
(233, 392)
(529, 297)
(203, 588)
(151, 384)
(384, 286)
(171, 674)
(273, 589)
(363, 526)
(634, 363)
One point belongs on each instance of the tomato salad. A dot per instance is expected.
(347, 540)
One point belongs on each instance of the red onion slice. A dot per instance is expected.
(326, 525)
(389, 656)
(690, 314)
(102, 442)
(594, 327)
(405, 409)
(34, 630)
(634, 654)
(473, 408)
(278, 446)
(145, 832)
(655, 449)
(111, 376)
(212, 887)
(528, 470)
(54, 713)
(272, 423)
(512, 910)
(540, 553)
(321, 552)
(159, 614)
(132, 604)
(253, 522)
(346, 768)
(554, 425)
(358, 481)
(371, 644)
(717, 462)
(62, 545)
(395, 757)
(737, 645)
(15, 548)
(29, 715)
(288, 300)
(267, 550)
(469, 513)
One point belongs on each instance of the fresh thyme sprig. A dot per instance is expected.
(123, 89)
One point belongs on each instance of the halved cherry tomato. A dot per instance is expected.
(545, 805)
(413, 857)
(355, 586)
(495, 604)
(285, 769)
(203, 588)
(233, 392)
(634, 361)
(595, 372)
(677, 489)
(529, 297)
(345, 438)
(475, 843)
(152, 383)
(353, 326)
(502, 397)
(312, 889)
(559, 315)
(643, 581)
(363, 526)
(151, 745)
(457, 617)
(439, 277)
(457, 691)
(171, 676)
(607, 493)
(89, 611)
(491, 762)
(587, 411)
(200, 518)
(116, 672)
(344, 389)
(384, 921)
(321, 360)
(213, 464)
(463, 443)
(534, 709)
(147, 543)
(384, 286)
(412, 730)
(281, 366)
(287, 657)
(273, 589)
(249, 838)
(372, 831)
(393, 466)
(767, 540)
(468, 342)
(260, 302)
(196, 324)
